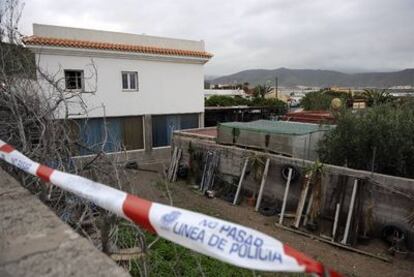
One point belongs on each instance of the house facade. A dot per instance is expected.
(131, 91)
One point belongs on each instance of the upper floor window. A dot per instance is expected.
(74, 79)
(129, 80)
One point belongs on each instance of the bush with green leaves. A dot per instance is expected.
(260, 91)
(280, 106)
(321, 100)
(166, 258)
(381, 136)
(377, 96)
(226, 101)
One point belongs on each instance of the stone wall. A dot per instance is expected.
(35, 242)
(391, 198)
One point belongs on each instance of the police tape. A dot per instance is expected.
(229, 242)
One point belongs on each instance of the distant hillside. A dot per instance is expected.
(319, 78)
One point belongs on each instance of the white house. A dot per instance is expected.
(144, 86)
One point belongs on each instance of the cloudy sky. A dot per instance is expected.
(346, 35)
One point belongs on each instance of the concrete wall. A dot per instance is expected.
(34, 242)
(391, 196)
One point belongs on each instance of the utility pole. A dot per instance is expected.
(276, 86)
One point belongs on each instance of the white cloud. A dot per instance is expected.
(347, 35)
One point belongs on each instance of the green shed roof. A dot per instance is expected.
(278, 127)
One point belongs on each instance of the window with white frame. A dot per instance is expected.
(74, 79)
(130, 80)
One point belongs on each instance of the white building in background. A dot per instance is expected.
(224, 92)
(145, 86)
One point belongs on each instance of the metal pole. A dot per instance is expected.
(240, 181)
(174, 177)
(171, 168)
(276, 86)
(335, 225)
(351, 208)
(282, 212)
(259, 197)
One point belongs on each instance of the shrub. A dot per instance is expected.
(278, 105)
(321, 100)
(224, 101)
(219, 100)
(386, 130)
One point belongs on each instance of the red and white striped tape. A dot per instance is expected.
(223, 240)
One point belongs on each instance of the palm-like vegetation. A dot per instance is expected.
(260, 91)
(377, 96)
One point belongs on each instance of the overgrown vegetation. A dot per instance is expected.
(316, 171)
(260, 91)
(226, 101)
(321, 100)
(379, 138)
(168, 259)
(376, 97)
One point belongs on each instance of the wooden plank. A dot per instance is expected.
(302, 201)
(282, 213)
(262, 184)
(236, 197)
(384, 259)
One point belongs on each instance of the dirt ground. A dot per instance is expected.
(148, 185)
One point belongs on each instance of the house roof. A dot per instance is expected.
(310, 117)
(74, 43)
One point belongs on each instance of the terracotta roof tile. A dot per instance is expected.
(71, 43)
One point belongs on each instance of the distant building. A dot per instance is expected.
(146, 87)
(224, 92)
(341, 89)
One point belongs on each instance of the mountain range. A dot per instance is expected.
(319, 78)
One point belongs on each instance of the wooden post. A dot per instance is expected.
(240, 181)
(302, 201)
(282, 212)
(262, 184)
(350, 211)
